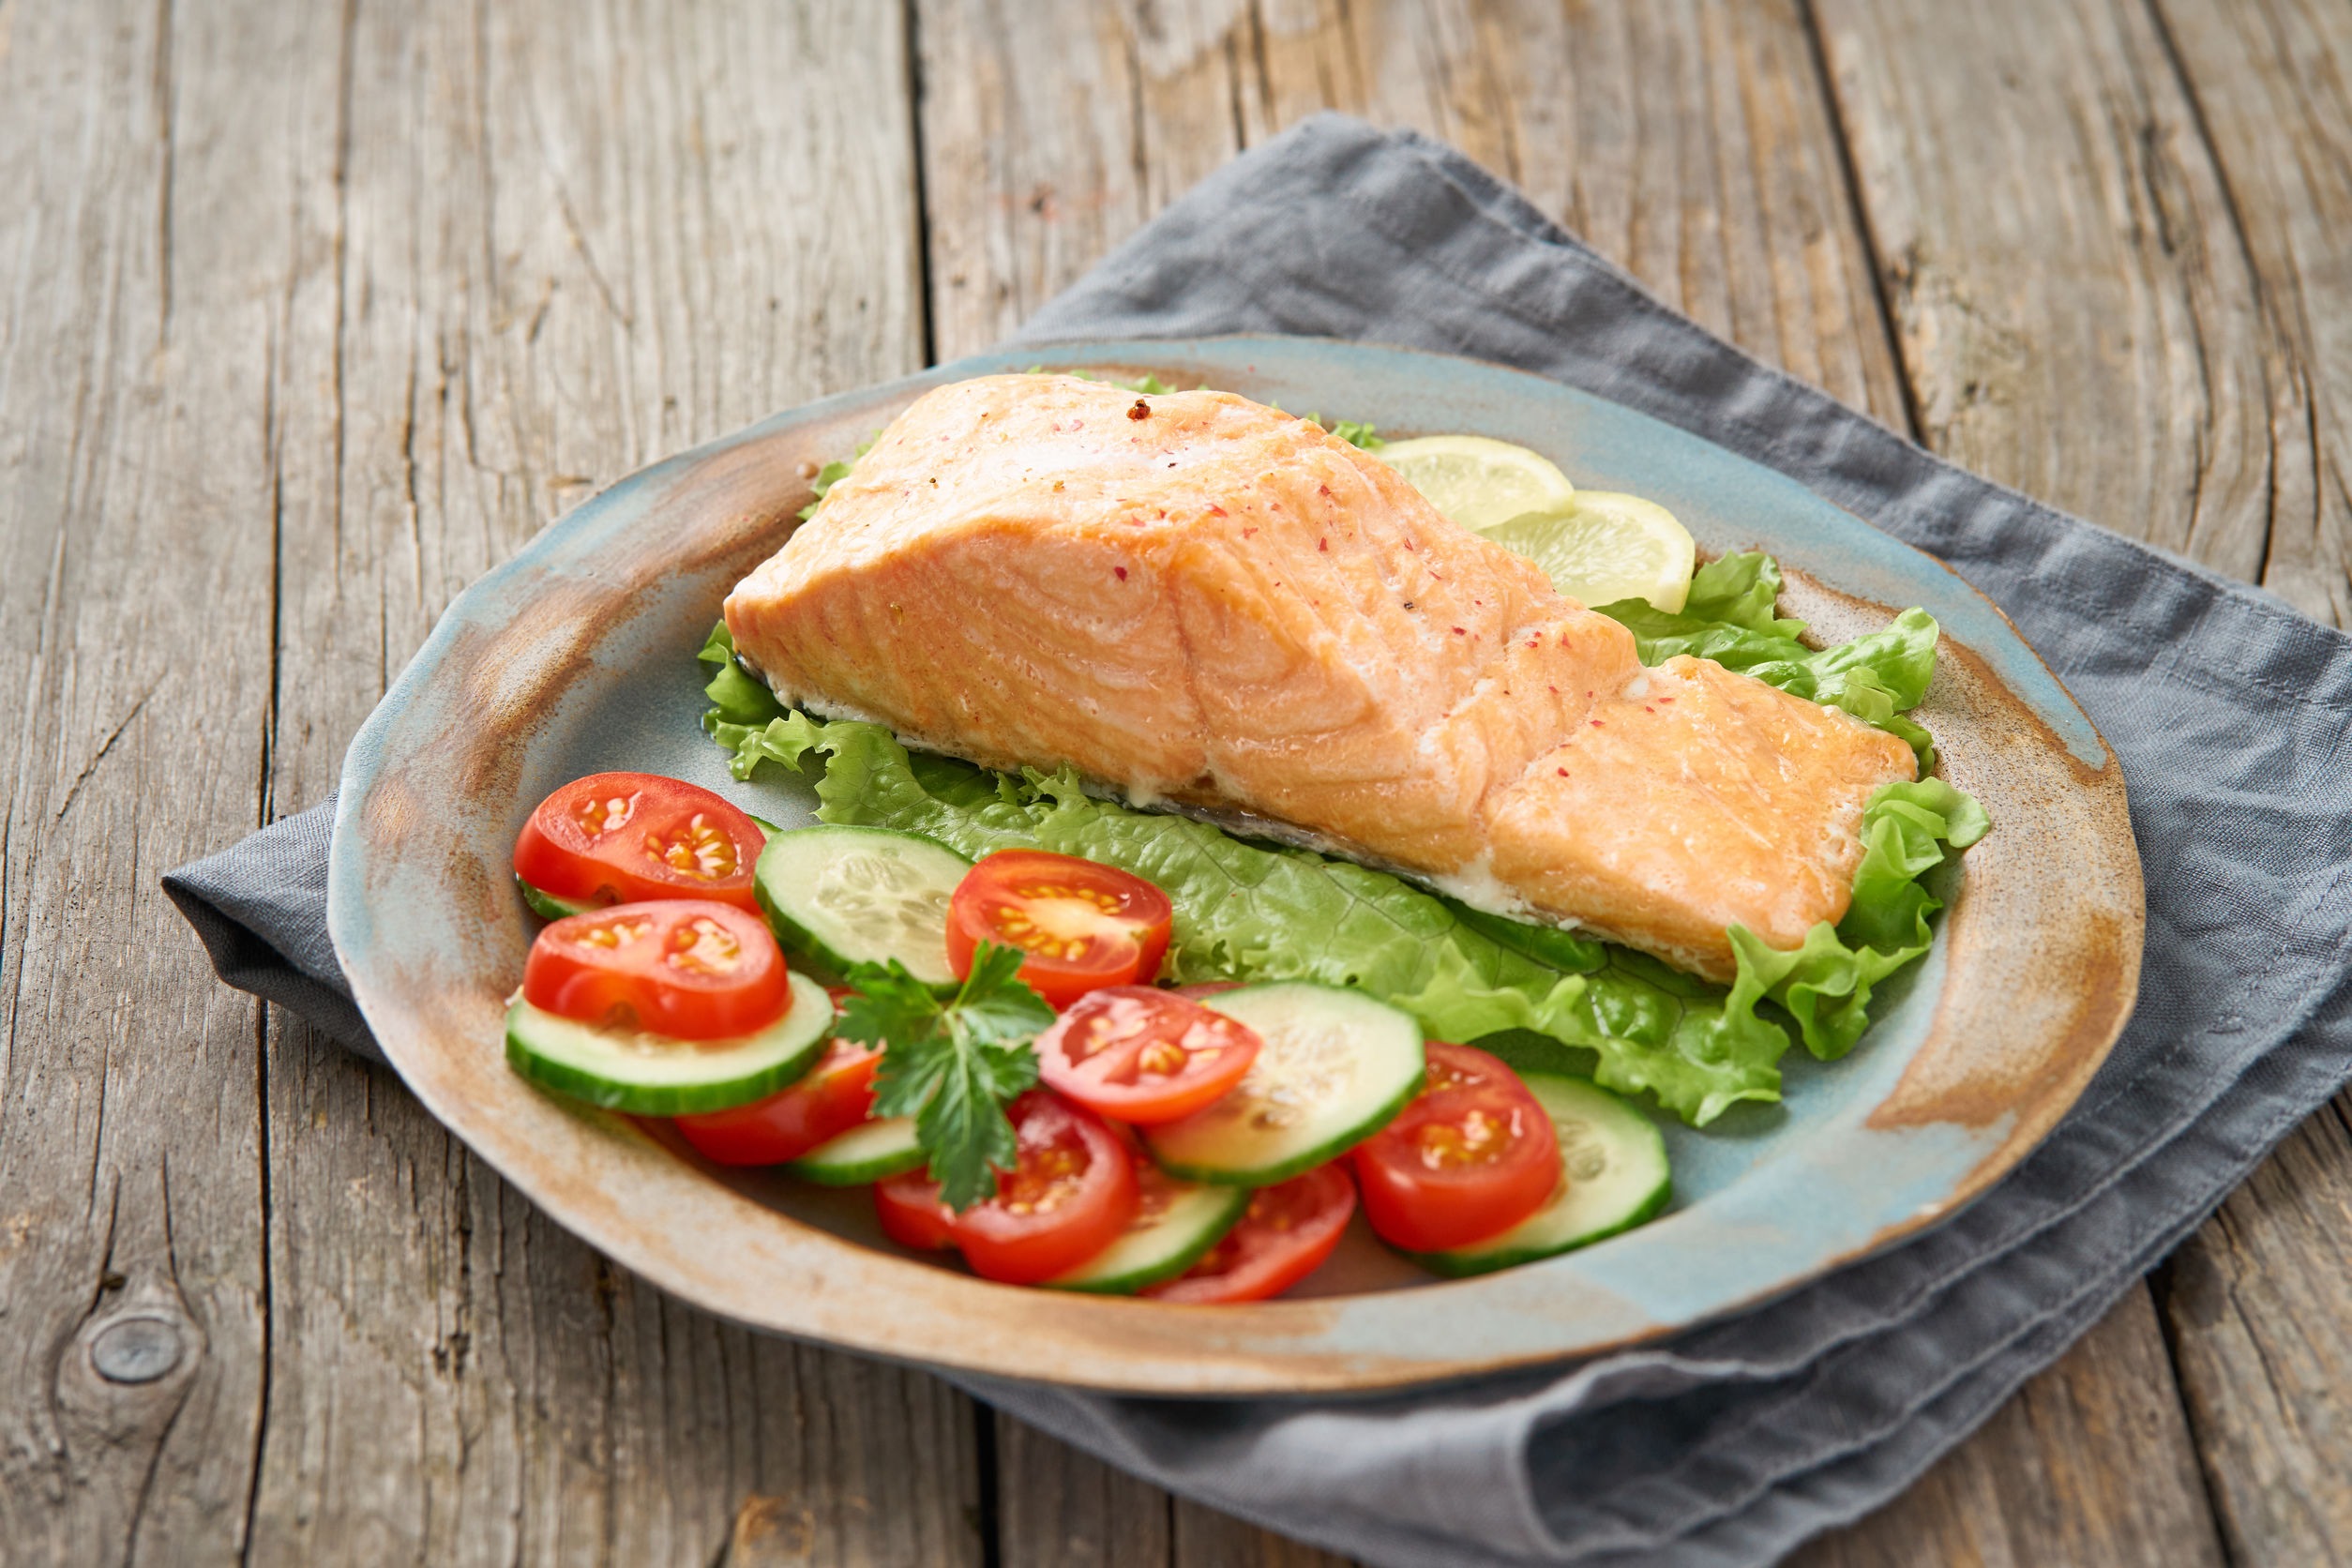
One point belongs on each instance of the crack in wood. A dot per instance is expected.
(74, 790)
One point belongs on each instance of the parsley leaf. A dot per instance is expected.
(951, 1066)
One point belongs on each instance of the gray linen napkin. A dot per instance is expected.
(1731, 1443)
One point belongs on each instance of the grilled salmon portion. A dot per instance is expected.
(1200, 600)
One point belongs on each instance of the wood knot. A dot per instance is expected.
(772, 1530)
(136, 1350)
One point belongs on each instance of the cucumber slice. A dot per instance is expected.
(1334, 1068)
(1616, 1165)
(547, 906)
(866, 1153)
(652, 1074)
(1178, 1224)
(843, 896)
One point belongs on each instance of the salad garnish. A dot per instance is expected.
(951, 1064)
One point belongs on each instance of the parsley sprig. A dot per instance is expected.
(954, 1065)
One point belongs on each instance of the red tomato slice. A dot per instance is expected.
(1083, 926)
(689, 967)
(1070, 1196)
(1142, 1055)
(836, 1095)
(1200, 989)
(1473, 1154)
(1284, 1236)
(626, 838)
(911, 1214)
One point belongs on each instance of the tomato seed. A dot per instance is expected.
(703, 947)
(597, 818)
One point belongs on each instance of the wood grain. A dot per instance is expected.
(517, 238)
(134, 688)
(2071, 305)
(2255, 1301)
(2088, 1464)
(1057, 1504)
(1047, 139)
(2256, 1308)
(1205, 1538)
(2271, 82)
(1688, 142)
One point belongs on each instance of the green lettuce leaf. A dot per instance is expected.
(1825, 985)
(1742, 590)
(737, 696)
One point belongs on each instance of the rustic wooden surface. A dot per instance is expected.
(310, 314)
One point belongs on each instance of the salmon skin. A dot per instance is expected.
(1202, 602)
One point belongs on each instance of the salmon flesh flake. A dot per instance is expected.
(1201, 601)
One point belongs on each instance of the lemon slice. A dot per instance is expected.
(1478, 482)
(1604, 547)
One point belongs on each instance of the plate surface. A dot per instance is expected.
(578, 656)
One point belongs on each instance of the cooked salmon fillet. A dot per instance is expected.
(1198, 599)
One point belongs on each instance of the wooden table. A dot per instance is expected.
(310, 314)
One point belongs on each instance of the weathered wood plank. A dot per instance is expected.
(2072, 302)
(1033, 166)
(1056, 1504)
(2260, 1337)
(2256, 1303)
(1205, 1538)
(2089, 1464)
(2272, 83)
(536, 256)
(1688, 142)
(1616, 119)
(134, 683)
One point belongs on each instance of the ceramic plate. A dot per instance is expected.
(578, 656)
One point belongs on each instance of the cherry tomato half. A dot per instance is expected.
(911, 1213)
(1070, 1196)
(1473, 1154)
(836, 1094)
(1140, 1055)
(1284, 1236)
(1082, 925)
(691, 968)
(625, 838)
